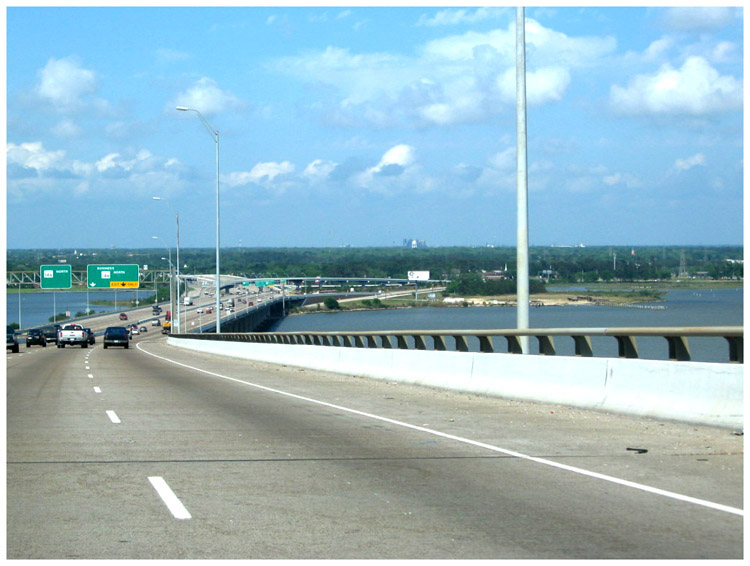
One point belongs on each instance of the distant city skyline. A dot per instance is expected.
(370, 126)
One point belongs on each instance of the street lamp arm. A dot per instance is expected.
(214, 133)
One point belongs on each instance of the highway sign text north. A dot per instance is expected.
(56, 276)
(108, 276)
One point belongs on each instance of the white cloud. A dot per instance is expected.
(453, 17)
(690, 162)
(396, 165)
(32, 155)
(695, 89)
(34, 170)
(262, 173)
(65, 84)
(698, 19)
(319, 170)
(454, 79)
(206, 96)
(66, 129)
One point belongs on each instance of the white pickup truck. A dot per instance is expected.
(73, 334)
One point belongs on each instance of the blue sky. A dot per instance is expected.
(366, 126)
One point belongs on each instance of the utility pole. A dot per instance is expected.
(522, 193)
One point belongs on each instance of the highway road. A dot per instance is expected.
(157, 452)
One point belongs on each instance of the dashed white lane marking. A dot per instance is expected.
(113, 417)
(174, 505)
(91, 376)
(97, 390)
(543, 461)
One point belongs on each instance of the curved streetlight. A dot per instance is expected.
(177, 216)
(215, 135)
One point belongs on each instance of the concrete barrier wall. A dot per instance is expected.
(696, 392)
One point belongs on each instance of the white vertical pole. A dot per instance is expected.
(218, 245)
(522, 237)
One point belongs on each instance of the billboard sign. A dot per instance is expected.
(419, 275)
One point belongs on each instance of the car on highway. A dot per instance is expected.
(144, 329)
(116, 336)
(92, 338)
(134, 330)
(11, 340)
(156, 322)
(36, 336)
(50, 333)
(123, 316)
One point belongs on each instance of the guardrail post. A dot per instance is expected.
(358, 342)
(401, 341)
(546, 345)
(419, 342)
(485, 345)
(371, 341)
(514, 345)
(439, 343)
(461, 344)
(583, 346)
(385, 342)
(626, 347)
(678, 348)
(736, 349)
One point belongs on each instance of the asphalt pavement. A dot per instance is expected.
(157, 452)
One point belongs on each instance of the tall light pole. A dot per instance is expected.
(215, 135)
(522, 193)
(171, 275)
(177, 217)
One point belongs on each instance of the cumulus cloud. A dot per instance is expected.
(696, 88)
(454, 79)
(261, 174)
(65, 84)
(206, 96)
(32, 167)
(319, 170)
(384, 176)
(32, 155)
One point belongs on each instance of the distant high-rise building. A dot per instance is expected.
(413, 244)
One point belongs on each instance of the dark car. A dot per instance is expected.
(92, 338)
(36, 336)
(116, 336)
(11, 340)
(50, 333)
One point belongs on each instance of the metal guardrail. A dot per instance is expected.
(676, 338)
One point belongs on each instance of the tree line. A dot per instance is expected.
(563, 264)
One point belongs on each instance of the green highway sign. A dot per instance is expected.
(109, 276)
(264, 283)
(55, 276)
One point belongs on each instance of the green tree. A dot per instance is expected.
(331, 303)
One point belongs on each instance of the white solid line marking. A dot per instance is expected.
(544, 461)
(174, 505)
(97, 390)
(113, 417)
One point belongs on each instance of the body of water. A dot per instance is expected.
(721, 307)
(35, 309)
